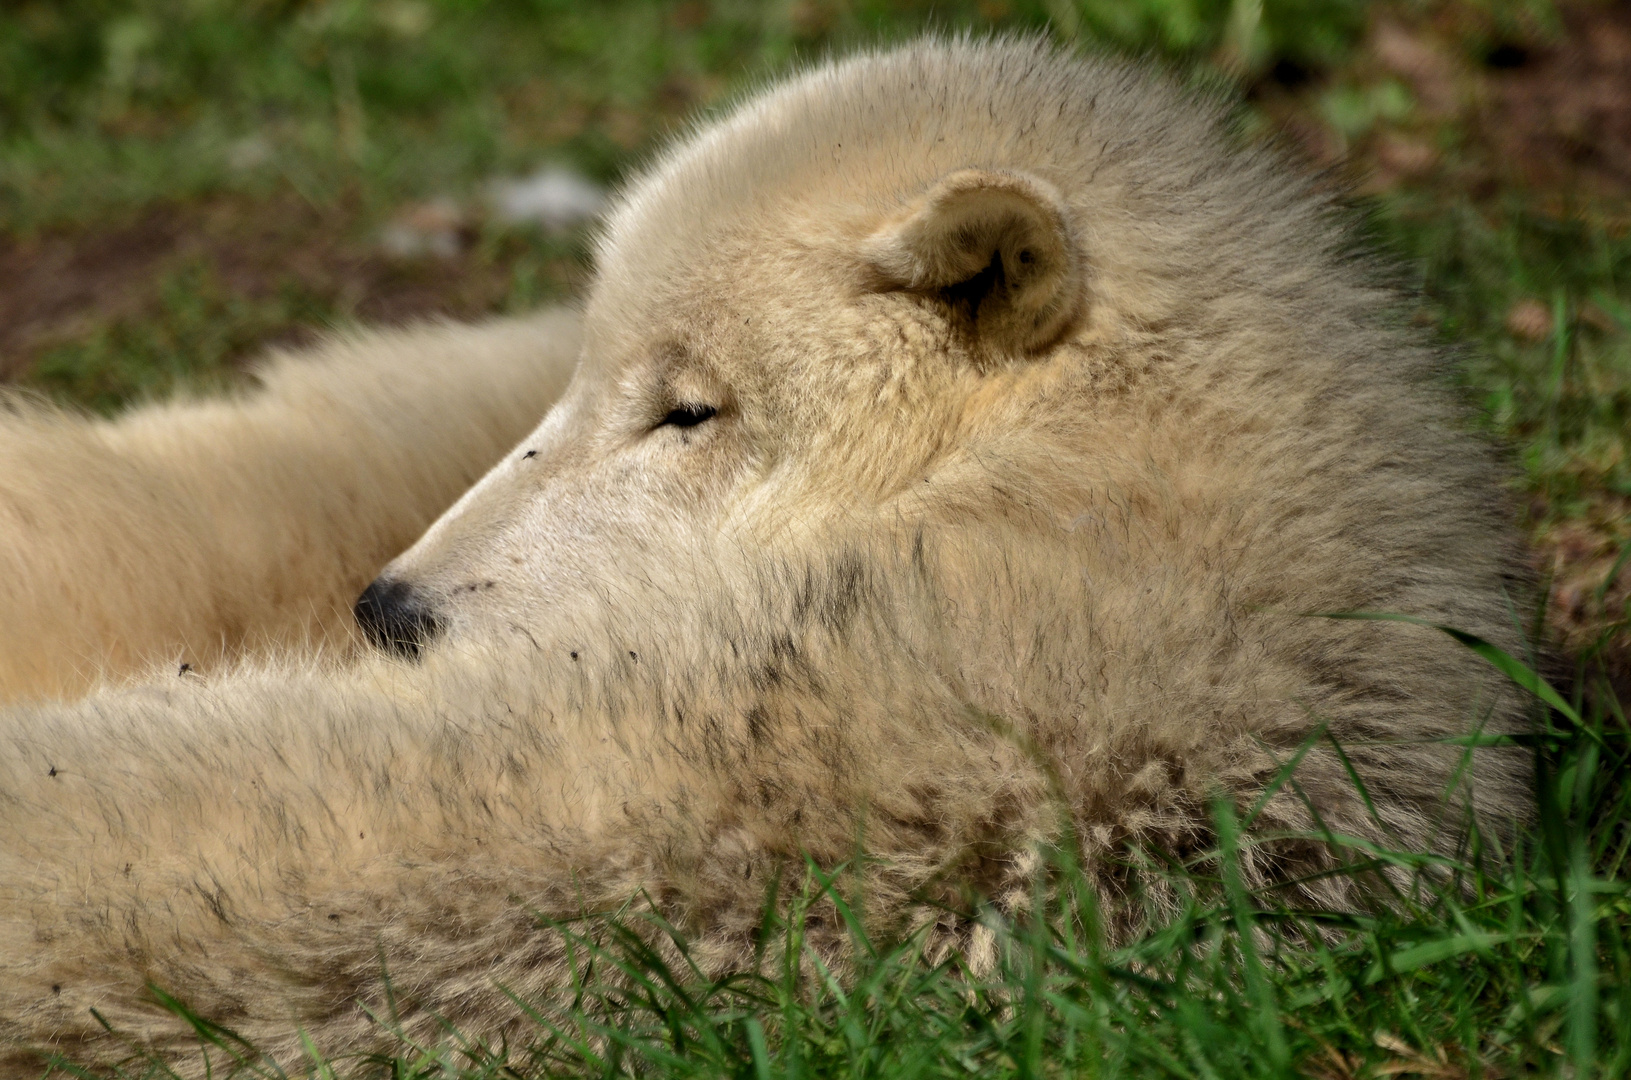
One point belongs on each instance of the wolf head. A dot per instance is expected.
(1031, 332)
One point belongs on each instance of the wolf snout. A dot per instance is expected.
(395, 617)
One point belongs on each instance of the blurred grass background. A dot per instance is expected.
(185, 181)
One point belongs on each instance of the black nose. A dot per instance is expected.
(395, 618)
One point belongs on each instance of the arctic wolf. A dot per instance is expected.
(963, 437)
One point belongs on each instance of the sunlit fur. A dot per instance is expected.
(197, 530)
(950, 577)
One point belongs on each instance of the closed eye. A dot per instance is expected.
(686, 416)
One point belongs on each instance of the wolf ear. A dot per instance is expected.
(996, 248)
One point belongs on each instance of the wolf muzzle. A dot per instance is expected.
(396, 618)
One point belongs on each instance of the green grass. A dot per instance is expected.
(196, 326)
(275, 137)
(107, 106)
(344, 111)
(1564, 401)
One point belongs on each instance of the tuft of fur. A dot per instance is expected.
(202, 531)
(961, 566)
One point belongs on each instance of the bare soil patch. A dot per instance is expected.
(1557, 115)
(321, 265)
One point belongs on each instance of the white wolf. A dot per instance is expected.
(962, 435)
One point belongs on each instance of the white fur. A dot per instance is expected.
(201, 531)
(958, 568)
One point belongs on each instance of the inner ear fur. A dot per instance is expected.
(996, 247)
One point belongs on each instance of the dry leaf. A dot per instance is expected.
(1529, 320)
